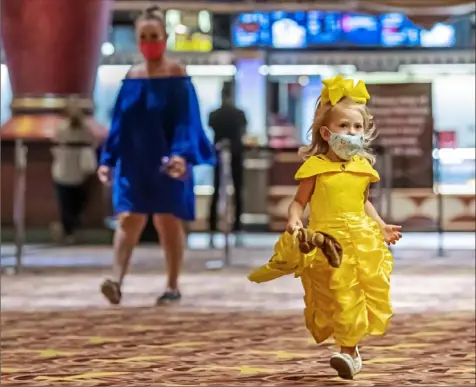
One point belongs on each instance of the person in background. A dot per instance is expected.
(156, 137)
(228, 123)
(74, 164)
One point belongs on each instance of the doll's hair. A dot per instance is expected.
(322, 116)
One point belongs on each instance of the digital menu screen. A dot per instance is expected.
(440, 35)
(314, 29)
(323, 28)
(360, 30)
(288, 29)
(398, 31)
(251, 30)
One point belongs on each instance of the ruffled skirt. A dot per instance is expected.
(351, 301)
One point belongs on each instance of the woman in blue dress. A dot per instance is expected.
(156, 137)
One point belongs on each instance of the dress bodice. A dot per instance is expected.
(339, 187)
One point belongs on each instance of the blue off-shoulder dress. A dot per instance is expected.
(155, 118)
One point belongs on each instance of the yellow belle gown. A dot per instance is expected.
(353, 300)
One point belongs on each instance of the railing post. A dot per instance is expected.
(19, 197)
(388, 184)
(224, 203)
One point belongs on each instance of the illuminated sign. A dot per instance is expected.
(189, 31)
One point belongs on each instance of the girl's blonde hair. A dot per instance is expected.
(323, 114)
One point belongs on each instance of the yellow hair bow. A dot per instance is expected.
(337, 88)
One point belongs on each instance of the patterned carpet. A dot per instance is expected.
(169, 347)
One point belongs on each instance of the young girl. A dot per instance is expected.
(352, 300)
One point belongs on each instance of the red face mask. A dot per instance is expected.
(153, 50)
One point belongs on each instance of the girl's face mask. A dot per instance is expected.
(346, 146)
(153, 50)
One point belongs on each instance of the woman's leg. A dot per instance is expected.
(172, 238)
(126, 236)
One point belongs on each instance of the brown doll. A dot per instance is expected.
(309, 240)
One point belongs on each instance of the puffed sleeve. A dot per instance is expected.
(190, 140)
(362, 165)
(110, 148)
(374, 176)
(310, 168)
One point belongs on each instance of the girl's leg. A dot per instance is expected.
(126, 236)
(172, 238)
(349, 351)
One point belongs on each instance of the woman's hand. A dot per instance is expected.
(104, 174)
(293, 225)
(177, 167)
(391, 233)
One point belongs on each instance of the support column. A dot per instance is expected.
(52, 49)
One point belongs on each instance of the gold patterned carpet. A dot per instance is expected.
(170, 347)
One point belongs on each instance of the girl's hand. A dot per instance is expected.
(177, 167)
(293, 224)
(391, 234)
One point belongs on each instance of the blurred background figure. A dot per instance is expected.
(228, 123)
(74, 164)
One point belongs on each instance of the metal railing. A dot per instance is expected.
(19, 198)
(19, 201)
(225, 205)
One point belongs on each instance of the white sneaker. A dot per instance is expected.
(345, 366)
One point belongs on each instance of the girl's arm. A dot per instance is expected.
(296, 208)
(371, 211)
(390, 232)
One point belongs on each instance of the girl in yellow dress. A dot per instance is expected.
(353, 300)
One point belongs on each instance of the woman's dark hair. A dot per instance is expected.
(153, 12)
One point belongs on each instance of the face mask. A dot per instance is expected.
(153, 50)
(346, 145)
